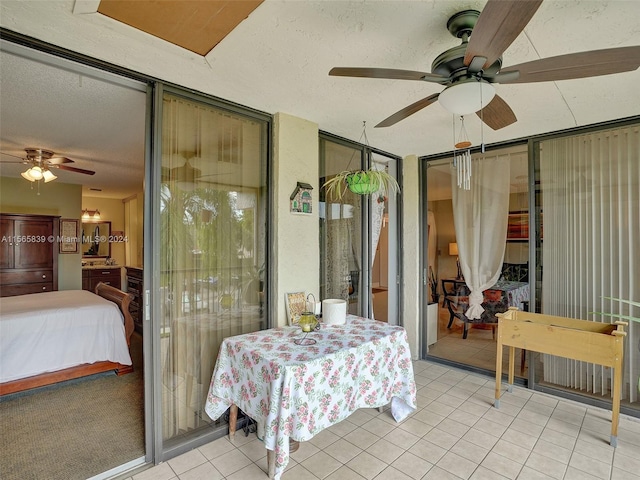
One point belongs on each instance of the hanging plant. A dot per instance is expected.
(361, 182)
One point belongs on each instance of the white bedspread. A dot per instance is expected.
(45, 332)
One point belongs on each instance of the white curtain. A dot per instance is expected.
(591, 206)
(480, 218)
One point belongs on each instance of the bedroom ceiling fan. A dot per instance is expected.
(468, 71)
(41, 162)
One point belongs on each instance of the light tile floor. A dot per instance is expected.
(455, 433)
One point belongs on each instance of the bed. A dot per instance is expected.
(50, 337)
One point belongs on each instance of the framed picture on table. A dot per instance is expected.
(296, 303)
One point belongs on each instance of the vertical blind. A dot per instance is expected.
(591, 244)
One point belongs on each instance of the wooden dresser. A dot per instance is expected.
(108, 274)
(134, 287)
(28, 254)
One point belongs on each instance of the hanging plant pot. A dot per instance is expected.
(361, 182)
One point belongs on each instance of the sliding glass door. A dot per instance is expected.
(359, 260)
(446, 334)
(341, 240)
(211, 250)
(589, 206)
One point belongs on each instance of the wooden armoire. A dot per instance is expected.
(28, 253)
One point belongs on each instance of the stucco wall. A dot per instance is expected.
(411, 278)
(297, 248)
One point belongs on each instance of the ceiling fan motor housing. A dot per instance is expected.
(38, 154)
(451, 62)
(462, 22)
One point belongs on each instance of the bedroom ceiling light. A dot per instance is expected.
(37, 173)
(32, 174)
(48, 176)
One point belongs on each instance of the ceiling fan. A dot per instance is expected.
(186, 175)
(469, 70)
(41, 162)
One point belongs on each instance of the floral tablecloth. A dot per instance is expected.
(295, 391)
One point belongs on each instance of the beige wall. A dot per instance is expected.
(411, 278)
(297, 249)
(55, 198)
(133, 229)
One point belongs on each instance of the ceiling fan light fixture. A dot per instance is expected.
(35, 172)
(48, 176)
(468, 96)
(27, 176)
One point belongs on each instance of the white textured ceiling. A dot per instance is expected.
(98, 124)
(277, 60)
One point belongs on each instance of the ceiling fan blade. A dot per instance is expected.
(14, 156)
(577, 65)
(74, 169)
(59, 160)
(407, 111)
(497, 114)
(388, 73)
(500, 22)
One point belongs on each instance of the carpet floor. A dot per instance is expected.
(76, 429)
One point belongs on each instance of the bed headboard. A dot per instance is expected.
(122, 299)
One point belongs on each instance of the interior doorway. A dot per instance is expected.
(96, 120)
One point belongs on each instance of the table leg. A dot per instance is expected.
(271, 463)
(233, 419)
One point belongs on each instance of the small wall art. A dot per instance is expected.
(301, 200)
(68, 235)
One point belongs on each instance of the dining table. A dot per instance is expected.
(295, 384)
(496, 299)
